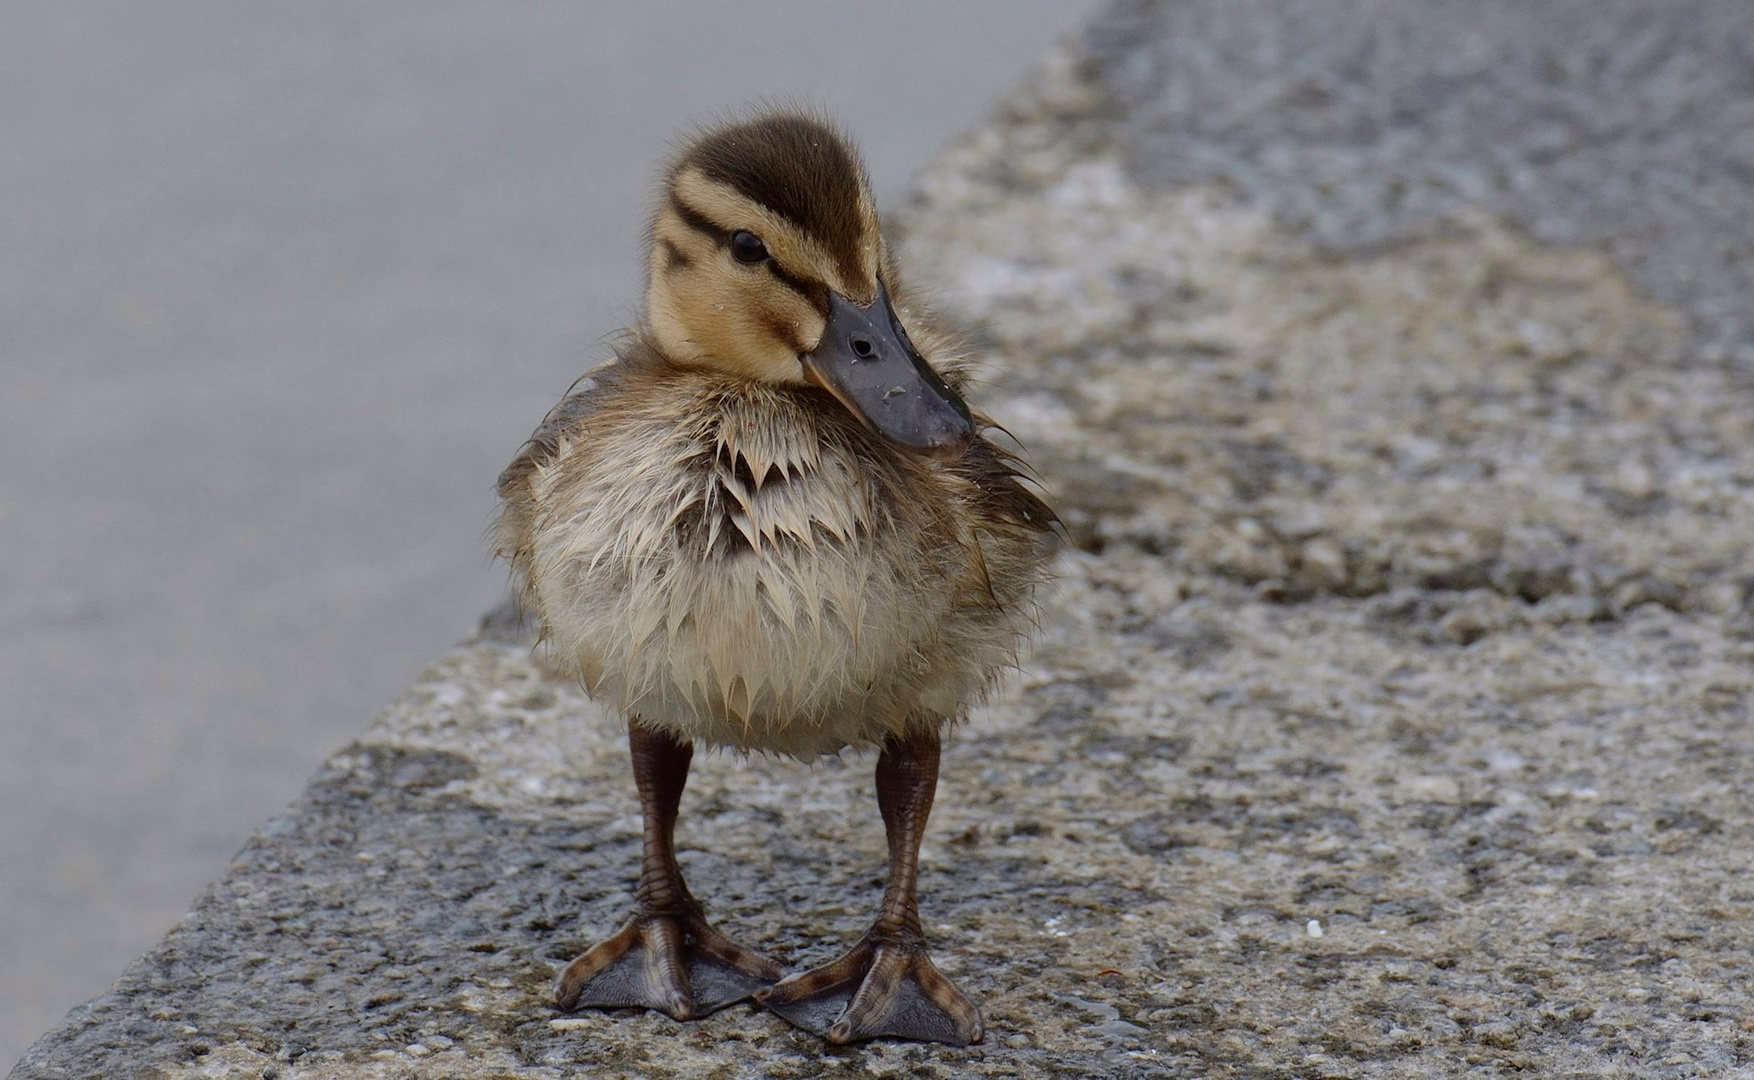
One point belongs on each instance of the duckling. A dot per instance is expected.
(771, 524)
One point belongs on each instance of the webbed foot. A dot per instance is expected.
(678, 964)
(882, 988)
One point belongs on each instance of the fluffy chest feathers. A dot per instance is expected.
(742, 565)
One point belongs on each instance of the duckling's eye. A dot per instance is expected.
(747, 247)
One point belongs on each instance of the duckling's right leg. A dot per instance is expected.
(667, 957)
(887, 986)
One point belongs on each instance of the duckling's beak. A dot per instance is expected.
(866, 361)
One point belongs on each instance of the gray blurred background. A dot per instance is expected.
(281, 289)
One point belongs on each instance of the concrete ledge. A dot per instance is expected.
(1391, 716)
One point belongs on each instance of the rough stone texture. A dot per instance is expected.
(1365, 123)
(1391, 715)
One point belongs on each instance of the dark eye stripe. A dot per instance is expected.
(813, 291)
(696, 220)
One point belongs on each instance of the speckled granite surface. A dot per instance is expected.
(1391, 715)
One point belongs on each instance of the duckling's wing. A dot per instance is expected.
(544, 443)
(518, 499)
(997, 474)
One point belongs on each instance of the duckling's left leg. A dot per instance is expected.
(667, 957)
(886, 985)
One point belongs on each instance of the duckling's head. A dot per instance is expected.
(767, 262)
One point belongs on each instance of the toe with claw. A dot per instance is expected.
(667, 957)
(678, 964)
(886, 986)
(880, 989)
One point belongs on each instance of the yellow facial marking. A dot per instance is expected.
(705, 308)
(798, 253)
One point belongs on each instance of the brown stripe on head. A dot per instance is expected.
(803, 170)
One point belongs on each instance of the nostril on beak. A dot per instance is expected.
(863, 347)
